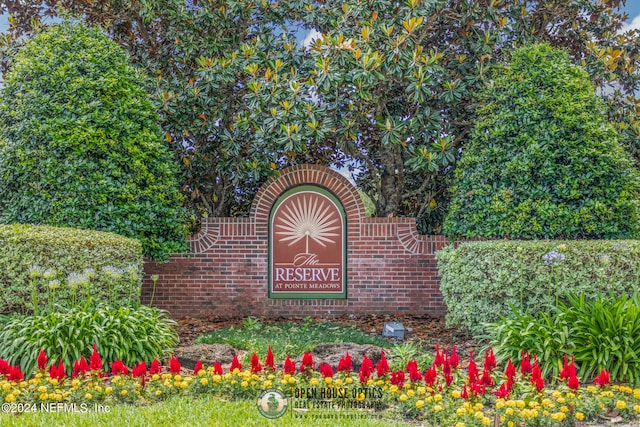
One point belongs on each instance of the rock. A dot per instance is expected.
(206, 353)
(332, 352)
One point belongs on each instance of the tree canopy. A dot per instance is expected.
(389, 89)
(542, 161)
(81, 146)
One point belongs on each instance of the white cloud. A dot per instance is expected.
(314, 34)
(634, 25)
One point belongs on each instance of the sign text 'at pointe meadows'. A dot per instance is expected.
(306, 249)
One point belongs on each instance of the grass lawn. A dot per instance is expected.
(289, 338)
(205, 411)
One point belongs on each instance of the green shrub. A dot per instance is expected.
(28, 251)
(82, 147)
(542, 162)
(602, 333)
(128, 334)
(481, 280)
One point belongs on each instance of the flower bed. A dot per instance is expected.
(444, 394)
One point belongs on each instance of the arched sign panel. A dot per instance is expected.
(307, 245)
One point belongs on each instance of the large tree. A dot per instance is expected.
(81, 146)
(390, 89)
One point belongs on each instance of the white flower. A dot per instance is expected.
(553, 258)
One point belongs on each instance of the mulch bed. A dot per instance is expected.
(426, 331)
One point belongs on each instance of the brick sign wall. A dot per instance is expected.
(389, 267)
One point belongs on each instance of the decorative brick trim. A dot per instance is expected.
(308, 174)
(206, 238)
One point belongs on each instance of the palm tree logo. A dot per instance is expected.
(308, 219)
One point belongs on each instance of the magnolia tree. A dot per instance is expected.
(388, 89)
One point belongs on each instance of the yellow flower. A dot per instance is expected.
(591, 389)
(202, 373)
(108, 390)
(155, 377)
(461, 411)
(328, 380)
(510, 424)
(558, 416)
(338, 382)
(437, 397)
(267, 384)
(486, 421)
(419, 404)
(184, 384)
(123, 392)
(217, 378)
(292, 380)
(44, 396)
(411, 393)
(479, 415)
(244, 384)
(437, 408)
(177, 378)
(204, 381)
(499, 404)
(636, 408)
(98, 389)
(579, 416)
(520, 404)
(88, 396)
(42, 389)
(348, 380)
(460, 424)
(158, 392)
(564, 409)
(509, 411)
(422, 390)
(621, 404)
(455, 394)
(403, 397)
(9, 398)
(478, 406)
(313, 381)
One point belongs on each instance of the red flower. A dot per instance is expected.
(439, 360)
(326, 370)
(489, 359)
(454, 361)
(366, 369)
(80, 367)
(4, 367)
(255, 364)
(510, 371)
(289, 366)
(503, 391)
(307, 363)
(174, 365)
(95, 361)
(448, 379)
(42, 360)
(197, 368)
(140, 370)
(465, 393)
(473, 369)
(235, 364)
(15, 374)
(573, 382)
(345, 364)
(430, 376)
(155, 367)
(397, 378)
(57, 372)
(603, 378)
(486, 378)
(539, 384)
(269, 363)
(217, 368)
(414, 372)
(382, 367)
(536, 373)
(525, 365)
(117, 368)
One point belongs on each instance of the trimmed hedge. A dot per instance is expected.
(480, 280)
(115, 260)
